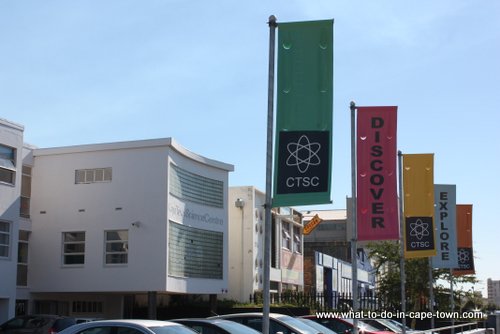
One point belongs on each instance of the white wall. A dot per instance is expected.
(138, 187)
(246, 227)
(11, 134)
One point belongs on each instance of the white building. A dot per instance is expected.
(246, 234)
(11, 153)
(108, 222)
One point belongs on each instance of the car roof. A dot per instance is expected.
(249, 314)
(207, 320)
(141, 322)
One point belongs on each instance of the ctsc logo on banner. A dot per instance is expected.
(303, 161)
(303, 154)
(465, 258)
(419, 233)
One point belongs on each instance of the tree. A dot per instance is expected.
(386, 258)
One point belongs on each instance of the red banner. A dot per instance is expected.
(377, 201)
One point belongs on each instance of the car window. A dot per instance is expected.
(36, 322)
(97, 330)
(172, 329)
(197, 328)
(63, 323)
(275, 327)
(14, 323)
(234, 327)
(255, 323)
(336, 326)
(127, 330)
(203, 329)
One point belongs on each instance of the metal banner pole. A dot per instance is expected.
(354, 256)
(269, 165)
(431, 292)
(452, 302)
(401, 243)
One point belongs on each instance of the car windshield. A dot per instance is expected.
(236, 328)
(318, 326)
(297, 324)
(391, 326)
(172, 329)
(363, 325)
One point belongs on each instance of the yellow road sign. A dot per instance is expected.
(311, 225)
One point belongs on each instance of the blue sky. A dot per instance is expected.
(80, 72)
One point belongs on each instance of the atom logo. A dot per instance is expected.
(303, 154)
(419, 229)
(463, 256)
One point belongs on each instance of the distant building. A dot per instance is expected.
(328, 246)
(493, 292)
(246, 235)
(330, 236)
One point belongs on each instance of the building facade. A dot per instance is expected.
(493, 292)
(327, 256)
(246, 258)
(93, 226)
(11, 161)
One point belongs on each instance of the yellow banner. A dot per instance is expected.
(418, 205)
(418, 185)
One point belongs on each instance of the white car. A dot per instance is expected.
(128, 327)
(278, 323)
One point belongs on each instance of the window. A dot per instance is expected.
(7, 164)
(4, 238)
(22, 258)
(86, 307)
(73, 248)
(285, 236)
(297, 240)
(116, 247)
(25, 192)
(96, 175)
(194, 252)
(196, 188)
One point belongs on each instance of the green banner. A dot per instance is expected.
(303, 153)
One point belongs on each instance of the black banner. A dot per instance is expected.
(419, 233)
(303, 163)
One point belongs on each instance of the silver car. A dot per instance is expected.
(278, 323)
(216, 326)
(128, 327)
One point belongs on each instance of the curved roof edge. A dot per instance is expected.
(134, 144)
(13, 125)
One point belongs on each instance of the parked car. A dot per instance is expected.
(317, 325)
(216, 326)
(128, 327)
(282, 323)
(81, 320)
(36, 324)
(390, 325)
(345, 326)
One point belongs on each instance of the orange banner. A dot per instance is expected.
(464, 241)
